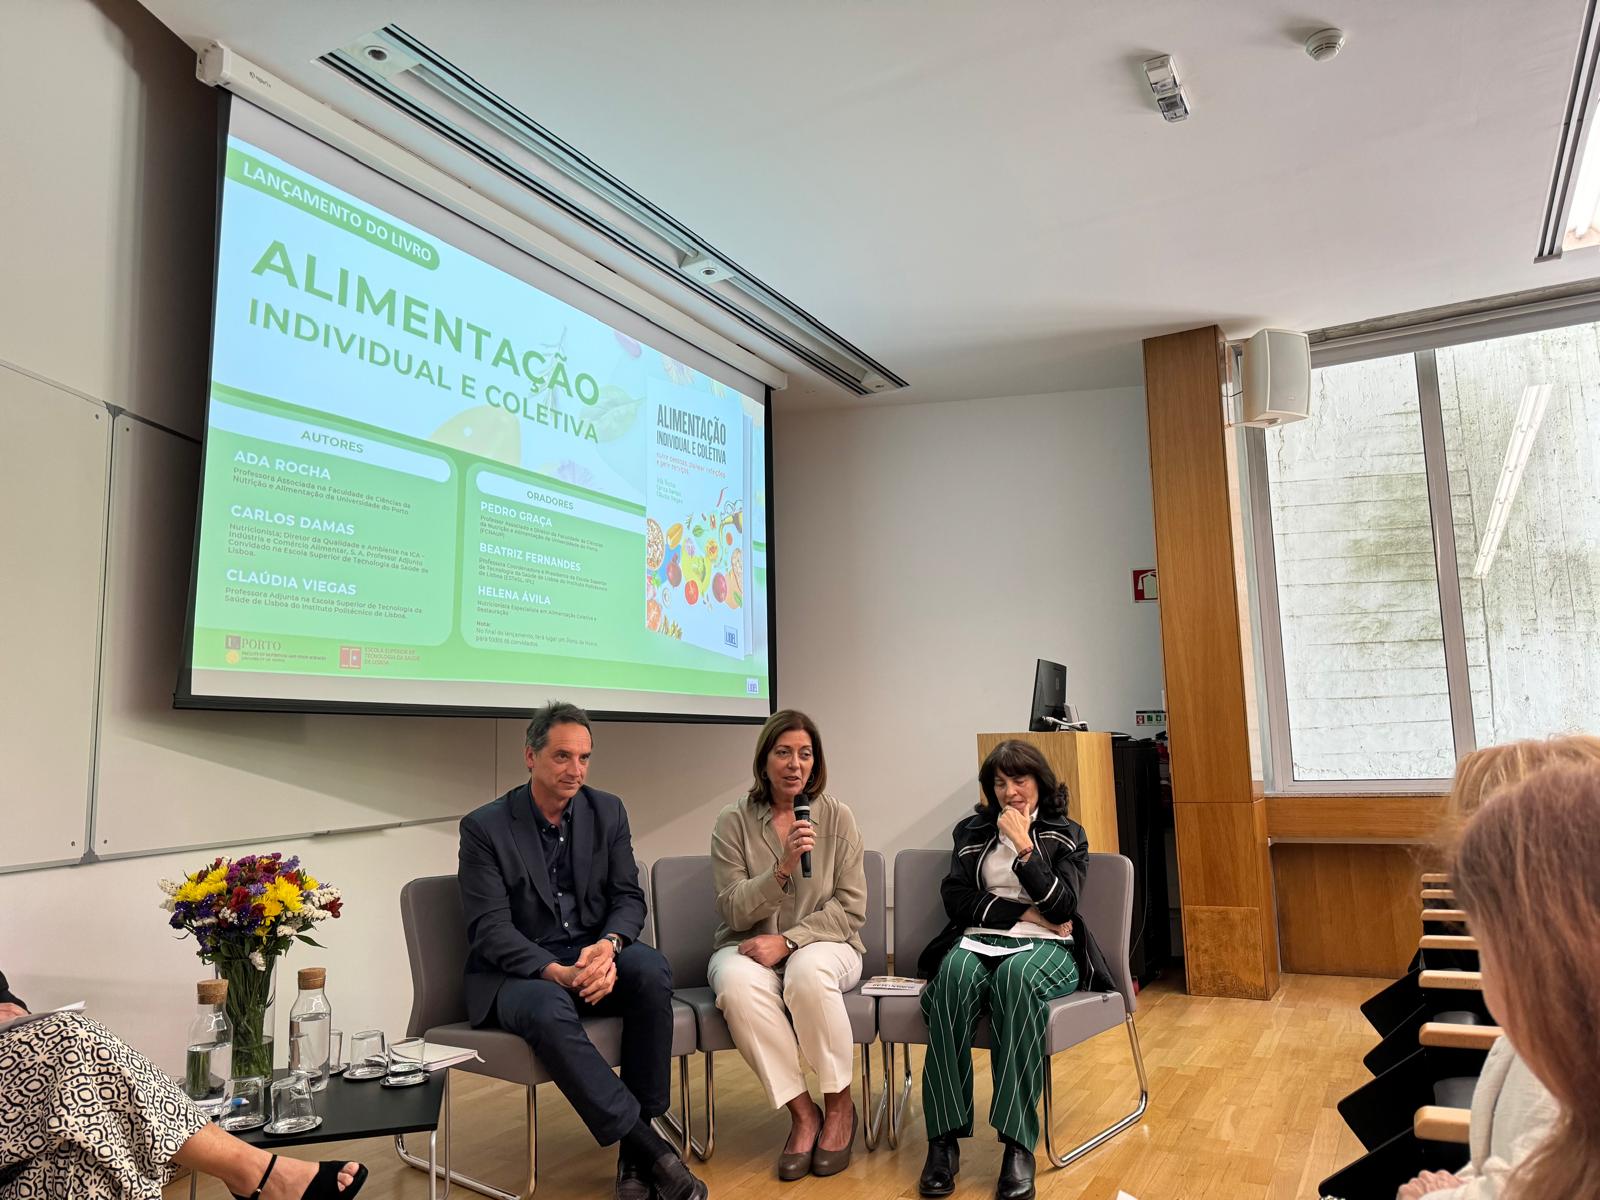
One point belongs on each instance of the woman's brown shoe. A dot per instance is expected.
(831, 1162)
(795, 1166)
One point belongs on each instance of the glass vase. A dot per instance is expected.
(250, 1006)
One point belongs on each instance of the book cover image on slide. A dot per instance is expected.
(697, 535)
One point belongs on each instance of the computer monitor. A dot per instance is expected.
(1049, 695)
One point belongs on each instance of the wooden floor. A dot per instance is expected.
(1242, 1098)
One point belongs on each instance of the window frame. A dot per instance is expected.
(1420, 341)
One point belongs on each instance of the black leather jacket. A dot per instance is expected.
(1052, 877)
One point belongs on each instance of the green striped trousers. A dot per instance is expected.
(1016, 991)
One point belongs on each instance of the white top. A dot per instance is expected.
(997, 876)
(1511, 1114)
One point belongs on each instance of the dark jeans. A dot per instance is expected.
(551, 1019)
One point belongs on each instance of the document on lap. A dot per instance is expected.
(989, 951)
(7, 1026)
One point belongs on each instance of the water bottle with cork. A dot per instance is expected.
(310, 1028)
(208, 1063)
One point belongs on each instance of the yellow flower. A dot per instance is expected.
(309, 882)
(271, 906)
(286, 893)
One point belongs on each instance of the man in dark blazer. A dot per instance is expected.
(551, 895)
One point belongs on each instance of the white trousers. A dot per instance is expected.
(778, 1017)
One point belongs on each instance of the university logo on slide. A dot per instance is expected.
(350, 658)
(233, 643)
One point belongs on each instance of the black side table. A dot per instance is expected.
(352, 1109)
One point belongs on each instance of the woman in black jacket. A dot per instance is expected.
(1014, 943)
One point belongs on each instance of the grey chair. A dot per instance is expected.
(1106, 906)
(685, 902)
(436, 943)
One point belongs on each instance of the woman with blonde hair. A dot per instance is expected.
(1524, 870)
(1512, 1111)
(1481, 773)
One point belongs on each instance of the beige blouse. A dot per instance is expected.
(831, 906)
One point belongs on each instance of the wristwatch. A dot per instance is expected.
(792, 944)
(616, 942)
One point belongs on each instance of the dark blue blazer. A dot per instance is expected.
(505, 887)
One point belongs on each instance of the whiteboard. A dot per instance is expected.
(170, 778)
(54, 461)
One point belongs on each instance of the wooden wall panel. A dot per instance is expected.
(1229, 919)
(1347, 909)
(1352, 818)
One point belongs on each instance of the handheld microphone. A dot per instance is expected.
(802, 812)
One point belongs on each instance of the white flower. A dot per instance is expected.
(258, 960)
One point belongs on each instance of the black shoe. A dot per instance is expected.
(942, 1166)
(633, 1179)
(674, 1180)
(1016, 1173)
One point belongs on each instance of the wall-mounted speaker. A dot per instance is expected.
(1277, 378)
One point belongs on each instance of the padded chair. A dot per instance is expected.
(436, 943)
(1106, 906)
(685, 901)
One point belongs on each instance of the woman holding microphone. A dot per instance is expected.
(789, 945)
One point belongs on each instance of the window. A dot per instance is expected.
(1522, 436)
(1358, 596)
(1428, 559)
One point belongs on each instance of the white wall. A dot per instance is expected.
(927, 555)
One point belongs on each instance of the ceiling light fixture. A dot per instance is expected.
(1535, 398)
(1570, 206)
(415, 80)
(1162, 73)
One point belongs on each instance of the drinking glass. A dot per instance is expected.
(244, 1104)
(369, 1055)
(405, 1063)
(292, 1111)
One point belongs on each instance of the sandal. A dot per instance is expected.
(325, 1186)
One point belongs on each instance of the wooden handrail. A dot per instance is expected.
(1448, 941)
(1436, 1124)
(1454, 915)
(1452, 981)
(1437, 877)
(1458, 1037)
(1438, 894)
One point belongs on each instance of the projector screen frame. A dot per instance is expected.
(183, 695)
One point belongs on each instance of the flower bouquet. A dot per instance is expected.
(244, 913)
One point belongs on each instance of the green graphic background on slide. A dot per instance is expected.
(342, 561)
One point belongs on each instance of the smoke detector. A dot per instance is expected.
(1325, 44)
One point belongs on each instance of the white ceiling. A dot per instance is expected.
(982, 196)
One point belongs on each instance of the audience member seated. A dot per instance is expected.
(83, 1114)
(1511, 1110)
(1524, 872)
(789, 945)
(1016, 871)
(550, 892)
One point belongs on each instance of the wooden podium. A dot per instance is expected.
(1082, 761)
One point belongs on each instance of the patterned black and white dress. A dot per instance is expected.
(84, 1115)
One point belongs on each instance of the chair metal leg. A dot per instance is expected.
(895, 1117)
(477, 1185)
(675, 1129)
(679, 1129)
(1109, 1131)
(876, 1117)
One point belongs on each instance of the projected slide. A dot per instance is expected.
(430, 482)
